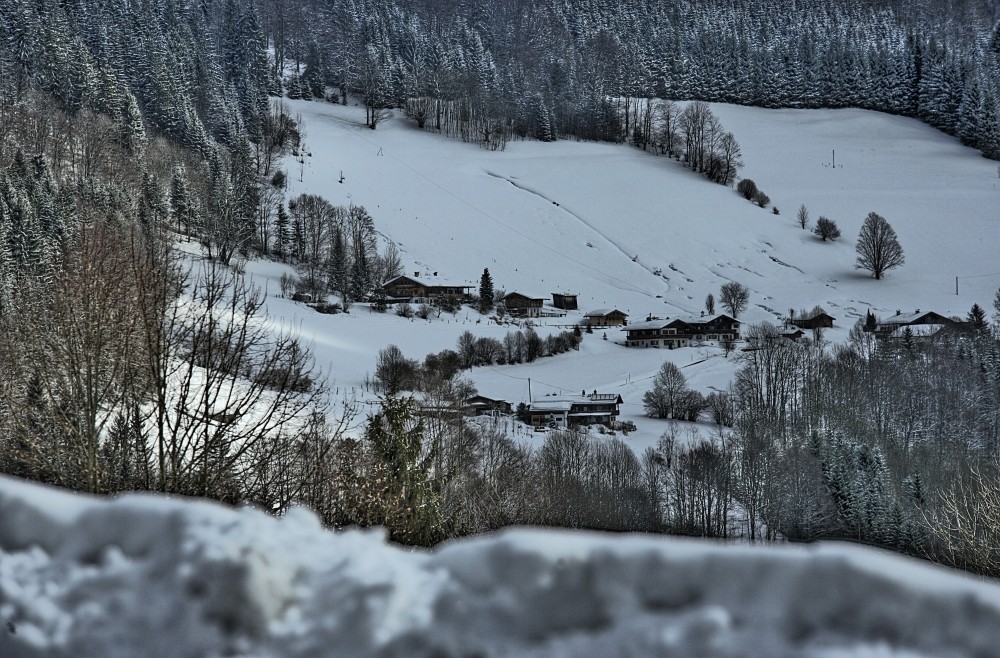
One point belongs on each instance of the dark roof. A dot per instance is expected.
(419, 282)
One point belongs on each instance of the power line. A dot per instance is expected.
(978, 276)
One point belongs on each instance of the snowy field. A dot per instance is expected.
(147, 576)
(600, 219)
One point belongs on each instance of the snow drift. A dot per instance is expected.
(145, 575)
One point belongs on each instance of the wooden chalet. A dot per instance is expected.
(480, 405)
(567, 411)
(522, 306)
(916, 325)
(681, 332)
(410, 289)
(818, 321)
(564, 300)
(606, 317)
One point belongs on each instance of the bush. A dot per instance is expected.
(404, 310)
(327, 308)
(285, 377)
(288, 283)
(826, 229)
(746, 188)
(761, 199)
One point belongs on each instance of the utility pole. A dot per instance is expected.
(529, 391)
(834, 158)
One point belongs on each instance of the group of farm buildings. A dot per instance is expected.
(677, 332)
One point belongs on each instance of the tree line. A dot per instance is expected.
(492, 71)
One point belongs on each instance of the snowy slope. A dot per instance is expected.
(573, 216)
(455, 208)
(145, 576)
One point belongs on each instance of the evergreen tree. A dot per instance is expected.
(485, 292)
(361, 276)
(399, 491)
(871, 323)
(339, 268)
(379, 299)
(182, 203)
(282, 231)
(977, 319)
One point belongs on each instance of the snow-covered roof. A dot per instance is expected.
(907, 318)
(600, 312)
(552, 404)
(434, 283)
(666, 322)
(648, 324)
(917, 330)
(521, 294)
(701, 319)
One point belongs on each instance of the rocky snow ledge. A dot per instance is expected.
(142, 575)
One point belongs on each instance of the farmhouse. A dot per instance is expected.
(681, 332)
(911, 319)
(522, 306)
(915, 325)
(576, 410)
(480, 405)
(818, 321)
(410, 289)
(564, 300)
(606, 317)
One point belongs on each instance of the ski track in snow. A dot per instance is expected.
(784, 264)
(579, 219)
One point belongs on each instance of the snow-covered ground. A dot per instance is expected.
(600, 219)
(141, 575)
(148, 576)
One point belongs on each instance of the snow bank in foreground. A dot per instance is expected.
(143, 575)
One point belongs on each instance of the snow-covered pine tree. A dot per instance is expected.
(485, 292)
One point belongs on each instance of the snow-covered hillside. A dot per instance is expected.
(600, 219)
(571, 215)
(146, 576)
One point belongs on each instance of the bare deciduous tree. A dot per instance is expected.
(878, 247)
(826, 229)
(734, 297)
(666, 398)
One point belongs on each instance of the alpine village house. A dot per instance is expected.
(410, 289)
(681, 332)
(568, 411)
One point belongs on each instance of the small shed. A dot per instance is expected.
(606, 317)
(564, 300)
(793, 334)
